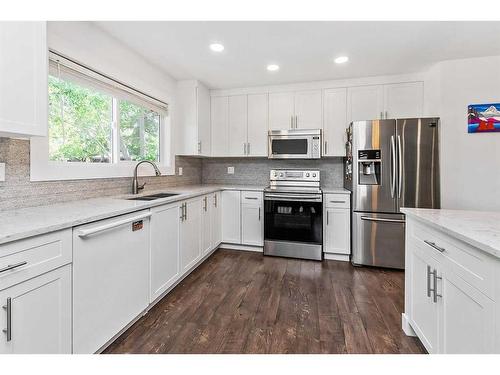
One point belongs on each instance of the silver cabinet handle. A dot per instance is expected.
(382, 115)
(429, 281)
(400, 164)
(386, 115)
(13, 266)
(436, 278)
(215, 200)
(185, 211)
(326, 147)
(248, 148)
(393, 166)
(382, 220)
(337, 201)
(205, 201)
(199, 146)
(291, 122)
(259, 213)
(182, 212)
(244, 148)
(8, 308)
(434, 246)
(327, 217)
(252, 198)
(82, 233)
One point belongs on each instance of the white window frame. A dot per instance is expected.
(44, 169)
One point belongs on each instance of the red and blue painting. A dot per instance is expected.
(484, 118)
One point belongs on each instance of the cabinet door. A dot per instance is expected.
(257, 125)
(190, 234)
(281, 110)
(308, 109)
(206, 225)
(203, 120)
(23, 79)
(423, 311)
(219, 122)
(216, 212)
(40, 315)
(164, 264)
(237, 125)
(467, 318)
(231, 219)
(334, 121)
(403, 100)
(365, 103)
(252, 225)
(337, 231)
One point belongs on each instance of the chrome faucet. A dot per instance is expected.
(135, 183)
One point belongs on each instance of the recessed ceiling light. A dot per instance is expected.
(273, 67)
(216, 47)
(341, 59)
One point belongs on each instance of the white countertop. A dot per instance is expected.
(480, 229)
(31, 221)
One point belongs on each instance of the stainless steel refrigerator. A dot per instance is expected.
(389, 164)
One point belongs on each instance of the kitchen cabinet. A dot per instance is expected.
(337, 226)
(403, 100)
(193, 103)
(252, 220)
(295, 110)
(190, 233)
(206, 225)
(231, 216)
(365, 103)
(220, 125)
(334, 121)
(23, 83)
(257, 125)
(216, 219)
(449, 303)
(165, 252)
(36, 315)
(237, 125)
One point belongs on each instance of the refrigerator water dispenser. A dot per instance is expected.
(369, 167)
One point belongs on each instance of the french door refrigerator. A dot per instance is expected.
(389, 164)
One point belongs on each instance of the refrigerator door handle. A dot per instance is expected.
(367, 218)
(393, 166)
(400, 165)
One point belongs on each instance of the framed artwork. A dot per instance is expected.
(483, 118)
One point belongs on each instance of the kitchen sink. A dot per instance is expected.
(152, 197)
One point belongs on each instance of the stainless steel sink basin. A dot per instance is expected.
(152, 197)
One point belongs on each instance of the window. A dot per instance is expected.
(98, 127)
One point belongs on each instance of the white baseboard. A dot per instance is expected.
(232, 246)
(341, 257)
(406, 327)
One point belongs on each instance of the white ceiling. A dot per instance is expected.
(303, 50)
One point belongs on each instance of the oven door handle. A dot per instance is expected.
(293, 197)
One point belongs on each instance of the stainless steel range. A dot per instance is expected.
(293, 220)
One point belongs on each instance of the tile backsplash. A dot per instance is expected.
(18, 191)
(255, 171)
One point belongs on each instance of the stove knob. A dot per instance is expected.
(307, 174)
(314, 174)
(281, 174)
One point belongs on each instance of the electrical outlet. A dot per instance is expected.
(2, 171)
(180, 171)
(230, 170)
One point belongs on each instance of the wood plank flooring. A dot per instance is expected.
(242, 302)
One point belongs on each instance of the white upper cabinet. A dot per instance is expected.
(257, 125)
(365, 103)
(403, 100)
(308, 110)
(295, 110)
(220, 125)
(334, 121)
(193, 103)
(281, 110)
(237, 125)
(23, 79)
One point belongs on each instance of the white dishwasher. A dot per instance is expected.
(110, 278)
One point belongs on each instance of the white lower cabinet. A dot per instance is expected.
(252, 220)
(446, 312)
(165, 252)
(337, 226)
(206, 225)
(190, 233)
(36, 315)
(231, 216)
(216, 218)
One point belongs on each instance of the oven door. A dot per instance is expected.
(293, 220)
(290, 147)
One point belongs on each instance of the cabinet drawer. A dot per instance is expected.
(471, 264)
(251, 197)
(34, 256)
(337, 200)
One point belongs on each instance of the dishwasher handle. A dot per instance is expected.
(82, 233)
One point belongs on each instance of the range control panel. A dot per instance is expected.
(294, 175)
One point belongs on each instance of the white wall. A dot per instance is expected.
(470, 163)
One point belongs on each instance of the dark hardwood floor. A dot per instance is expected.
(242, 302)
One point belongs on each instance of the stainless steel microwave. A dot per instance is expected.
(294, 144)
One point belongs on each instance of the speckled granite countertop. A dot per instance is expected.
(27, 222)
(480, 229)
